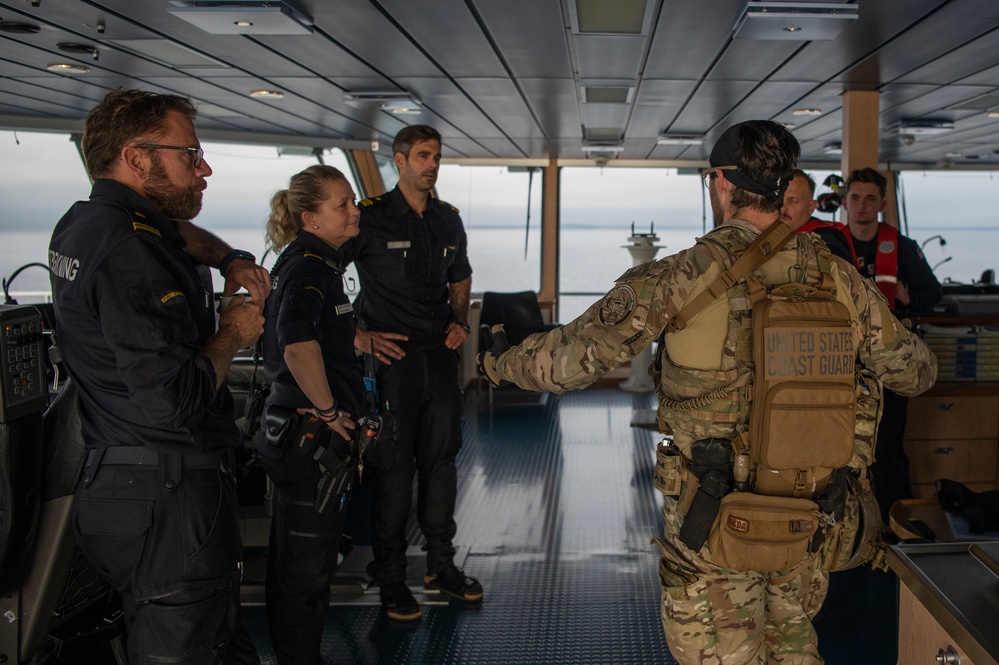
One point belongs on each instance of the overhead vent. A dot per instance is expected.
(243, 17)
(794, 21)
(680, 139)
(602, 149)
(925, 127)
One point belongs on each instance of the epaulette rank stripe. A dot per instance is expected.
(371, 201)
(139, 226)
(316, 289)
(310, 255)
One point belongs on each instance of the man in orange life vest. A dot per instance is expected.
(901, 273)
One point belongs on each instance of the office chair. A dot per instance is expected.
(520, 314)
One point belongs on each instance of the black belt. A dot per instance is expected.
(417, 344)
(141, 456)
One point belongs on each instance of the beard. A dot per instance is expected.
(716, 207)
(173, 201)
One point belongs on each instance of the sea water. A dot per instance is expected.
(590, 258)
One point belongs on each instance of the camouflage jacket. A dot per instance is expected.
(702, 357)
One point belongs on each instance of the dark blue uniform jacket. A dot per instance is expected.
(133, 313)
(308, 303)
(406, 264)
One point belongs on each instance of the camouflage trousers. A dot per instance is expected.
(715, 616)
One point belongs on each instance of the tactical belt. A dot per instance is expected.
(142, 456)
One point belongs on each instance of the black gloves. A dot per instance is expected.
(485, 362)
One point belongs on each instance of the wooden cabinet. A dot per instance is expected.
(953, 432)
(920, 636)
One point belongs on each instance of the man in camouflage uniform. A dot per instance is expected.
(712, 614)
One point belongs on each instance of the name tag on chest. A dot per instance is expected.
(398, 244)
(344, 309)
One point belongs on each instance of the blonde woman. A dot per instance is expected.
(310, 362)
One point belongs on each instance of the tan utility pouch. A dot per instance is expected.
(802, 421)
(762, 533)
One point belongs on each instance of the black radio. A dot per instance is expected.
(22, 358)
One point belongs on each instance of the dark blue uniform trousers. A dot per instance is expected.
(424, 399)
(166, 536)
(302, 557)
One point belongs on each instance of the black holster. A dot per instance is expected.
(711, 463)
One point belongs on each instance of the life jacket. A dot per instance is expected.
(885, 259)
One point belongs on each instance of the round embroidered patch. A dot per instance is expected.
(617, 305)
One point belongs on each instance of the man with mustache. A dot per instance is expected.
(156, 509)
(412, 316)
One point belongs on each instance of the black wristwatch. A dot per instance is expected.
(232, 256)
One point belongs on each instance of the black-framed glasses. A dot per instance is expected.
(197, 154)
(714, 169)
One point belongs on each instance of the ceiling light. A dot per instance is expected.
(833, 149)
(954, 154)
(788, 125)
(79, 49)
(272, 94)
(994, 114)
(806, 112)
(795, 21)
(68, 68)
(243, 24)
(680, 139)
(16, 28)
(399, 102)
(925, 126)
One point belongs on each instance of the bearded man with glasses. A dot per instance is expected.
(156, 510)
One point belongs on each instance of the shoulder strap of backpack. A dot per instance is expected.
(761, 250)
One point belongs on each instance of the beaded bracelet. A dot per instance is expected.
(328, 414)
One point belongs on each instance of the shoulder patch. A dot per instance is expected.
(369, 202)
(145, 229)
(448, 205)
(617, 305)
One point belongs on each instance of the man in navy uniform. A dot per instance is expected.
(413, 316)
(156, 510)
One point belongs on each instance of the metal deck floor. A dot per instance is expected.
(555, 510)
(555, 507)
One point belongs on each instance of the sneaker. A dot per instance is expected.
(454, 582)
(399, 603)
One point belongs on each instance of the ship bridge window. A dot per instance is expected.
(599, 208)
(504, 244)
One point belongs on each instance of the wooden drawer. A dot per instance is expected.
(920, 636)
(963, 460)
(953, 416)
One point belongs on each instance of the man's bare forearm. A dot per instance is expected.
(203, 246)
(460, 295)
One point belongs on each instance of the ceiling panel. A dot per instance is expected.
(504, 77)
(471, 56)
(530, 36)
(712, 100)
(689, 38)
